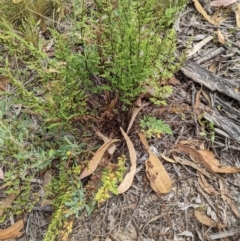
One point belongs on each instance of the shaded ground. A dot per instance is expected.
(140, 214)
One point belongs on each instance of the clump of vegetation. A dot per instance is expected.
(151, 126)
(114, 48)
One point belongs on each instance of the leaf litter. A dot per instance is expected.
(12, 232)
(93, 163)
(160, 180)
(128, 179)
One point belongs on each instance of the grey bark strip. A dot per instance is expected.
(213, 82)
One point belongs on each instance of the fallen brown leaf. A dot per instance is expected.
(128, 179)
(157, 175)
(204, 219)
(204, 13)
(209, 157)
(93, 163)
(113, 102)
(168, 159)
(135, 112)
(3, 83)
(206, 186)
(174, 81)
(197, 156)
(227, 199)
(13, 231)
(7, 202)
(191, 164)
(192, 143)
(197, 103)
(221, 38)
(111, 149)
(212, 69)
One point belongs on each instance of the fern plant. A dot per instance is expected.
(151, 126)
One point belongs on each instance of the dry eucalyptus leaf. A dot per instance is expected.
(111, 149)
(3, 83)
(113, 102)
(93, 163)
(7, 202)
(194, 154)
(206, 186)
(191, 164)
(227, 199)
(204, 219)
(209, 157)
(157, 175)
(174, 81)
(13, 231)
(197, 103)
(168, 159)
(221, 38)
(128, 179)
(135, 112)
(205, 15)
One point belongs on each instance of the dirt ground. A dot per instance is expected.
(142, 215)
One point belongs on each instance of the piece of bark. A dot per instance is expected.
(226, 124)
(213, 82)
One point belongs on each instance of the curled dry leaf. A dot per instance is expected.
(204, 219)
(13, 231)
(128, 179)
(209, 157)
(157, 175)
(93, 163)
(167, 158)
